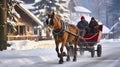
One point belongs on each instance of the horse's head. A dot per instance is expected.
(52, 20)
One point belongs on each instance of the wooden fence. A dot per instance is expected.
(23, 37)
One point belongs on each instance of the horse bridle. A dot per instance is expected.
(49, 21)
(61, 32)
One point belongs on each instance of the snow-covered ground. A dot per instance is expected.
(27, 44)
(27, 53)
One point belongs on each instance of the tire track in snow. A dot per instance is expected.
(106, 60)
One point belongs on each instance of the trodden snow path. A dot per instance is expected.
(46, 57)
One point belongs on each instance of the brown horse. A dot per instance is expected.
(63, 34)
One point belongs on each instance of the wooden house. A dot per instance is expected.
(25, 25)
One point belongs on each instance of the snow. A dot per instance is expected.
(115, 25)
(28, 6)
(37, 1)
(105, 30)
(26, 53)
(82, 9)
(27, 44)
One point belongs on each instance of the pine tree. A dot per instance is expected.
(12, 16)
(44, 6)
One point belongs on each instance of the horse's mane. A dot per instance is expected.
(58, 19)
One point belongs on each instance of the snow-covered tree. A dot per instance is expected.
(44, 6)
(12, 16)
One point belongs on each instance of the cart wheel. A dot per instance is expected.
(81, 51)
(71, 51)
(92, 52)
(99, 50)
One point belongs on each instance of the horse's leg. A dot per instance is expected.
(61, 55)
(75, 49)
(61, 49)
(68, 52)
(57, 48)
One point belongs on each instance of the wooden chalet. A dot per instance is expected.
(25, 25)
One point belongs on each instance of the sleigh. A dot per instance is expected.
(88, 42)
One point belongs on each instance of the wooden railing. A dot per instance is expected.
(23, 37)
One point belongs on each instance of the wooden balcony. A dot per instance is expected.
(23, 37)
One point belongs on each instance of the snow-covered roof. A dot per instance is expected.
(114, 26)
(88, 18)
(30, 14)
(105, 30)
(81, 9)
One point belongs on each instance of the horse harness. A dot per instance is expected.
(62, 31)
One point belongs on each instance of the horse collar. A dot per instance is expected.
(61, 32)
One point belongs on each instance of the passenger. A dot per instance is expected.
(93, 25)
(83, 26)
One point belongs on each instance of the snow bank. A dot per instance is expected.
(27, 44)
(110, 43)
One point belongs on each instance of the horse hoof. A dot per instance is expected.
(74, 60)
(64, 54)
(68, 59)
(60, 62)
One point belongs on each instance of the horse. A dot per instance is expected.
(64, 34)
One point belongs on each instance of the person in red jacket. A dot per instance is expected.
(82, 26)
